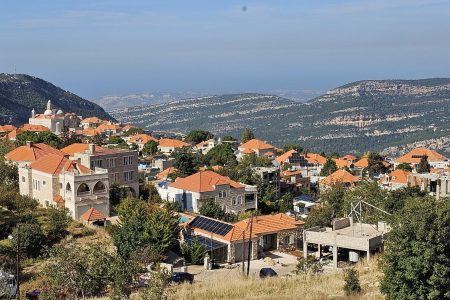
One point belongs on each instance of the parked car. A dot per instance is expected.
(35, 294)
(267, 272)
(181, 277)
(10, 286)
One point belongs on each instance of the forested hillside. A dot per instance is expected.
(20, 93)
(378, 115)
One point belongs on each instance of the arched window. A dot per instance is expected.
(99, 187)
(83, 189)
(68, 187)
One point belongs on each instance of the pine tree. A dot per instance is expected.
(423, 166)
(247, 135)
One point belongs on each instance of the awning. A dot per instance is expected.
(207, 242)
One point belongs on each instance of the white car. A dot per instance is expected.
(8, 286)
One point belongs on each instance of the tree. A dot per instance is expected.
(416, 263)
(142, 225)
(31, 239)
(133, 131)
(319, 216)
(149, 193)
(58, 221)
(405, 166)
(329, 167)
(295, 147)
(157, 286)
(77, 271)
(46, 137)
(197, 136)
(228, 138)
(221, 155)
(352, 285)
(116, 195)
(185, 162)
(150, 148)
(370, 192)
(423, 166)
(308, 265)
(285, 203)
(211, 209)
(375, 164)
(193, 252)
(334, 198)
(247, 135)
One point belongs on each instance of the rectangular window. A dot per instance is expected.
(36, 185)
(96, 163)
(111, 162)
(128, 176)
(127, 160)
(23, 178)
(116, 177)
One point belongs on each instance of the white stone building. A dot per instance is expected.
(57, 180)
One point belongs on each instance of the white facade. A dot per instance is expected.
(55, 120)
(80, 192)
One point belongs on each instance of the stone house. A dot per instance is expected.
(121, 164)
(193, 191)
(57, 180)
(231, 242)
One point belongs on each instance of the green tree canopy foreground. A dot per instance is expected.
(142, 225)
(416, 264)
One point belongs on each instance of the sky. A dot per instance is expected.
(116, 47)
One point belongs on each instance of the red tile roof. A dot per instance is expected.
(261, 225)
(314, 158)
(93, 215)
(81, 147)
(7, 128)
(340, 176)
(32, 152)
(415, 155)
(172, 143)
(166, 172)
(397, 176)
(56, 164)
(204, 181)
(256, 144)
(142, 138)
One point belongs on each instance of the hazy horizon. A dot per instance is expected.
(98, 47)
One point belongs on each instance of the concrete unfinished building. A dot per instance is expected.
(345, 235)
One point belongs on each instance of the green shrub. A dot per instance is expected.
(352, 285)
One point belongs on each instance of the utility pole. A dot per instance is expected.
(250, 245)
(18, 261)
(243, 252)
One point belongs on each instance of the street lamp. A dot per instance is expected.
(17, 260)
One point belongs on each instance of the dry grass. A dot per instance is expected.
(324, 286)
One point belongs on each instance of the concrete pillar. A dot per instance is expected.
(305, 249)
(368, 256)
(319, 251)
(335, 256)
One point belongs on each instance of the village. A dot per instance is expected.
(241, 205)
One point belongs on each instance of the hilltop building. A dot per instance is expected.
(55, 120)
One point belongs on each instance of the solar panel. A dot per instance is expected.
(207, 242)
(211, 225)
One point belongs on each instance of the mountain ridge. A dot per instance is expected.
(20, 93)
(355, 117)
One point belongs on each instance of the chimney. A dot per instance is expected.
(29, 144)
(91, 149)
